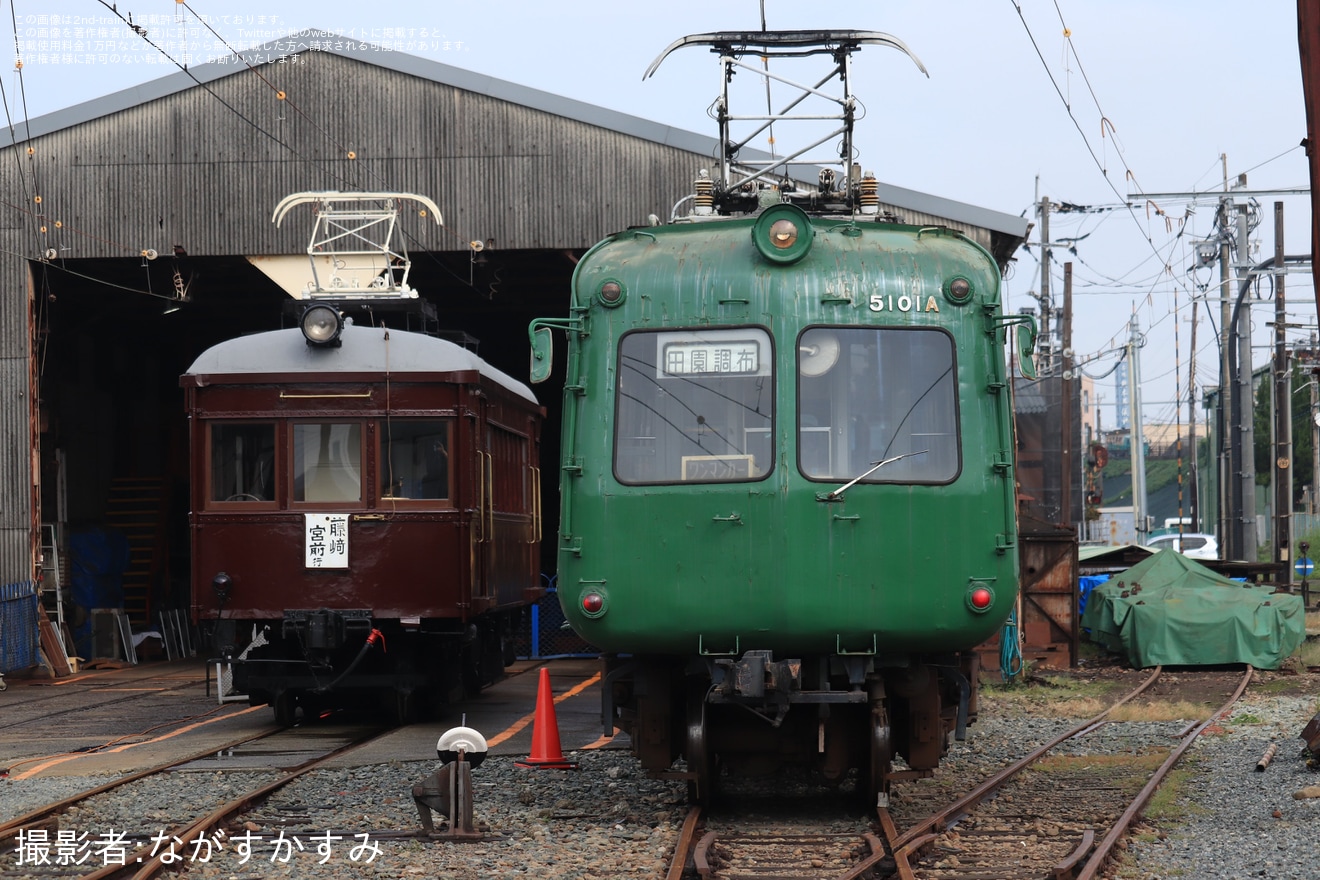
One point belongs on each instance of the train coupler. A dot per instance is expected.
(325, 629)
(758, 673)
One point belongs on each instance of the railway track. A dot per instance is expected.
(797, 840)
(105, 833)
(1052, 814)
(1056, 813)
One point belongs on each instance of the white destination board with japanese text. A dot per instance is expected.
(327, 540)
(712, 353)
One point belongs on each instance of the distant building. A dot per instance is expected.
(1161, 440)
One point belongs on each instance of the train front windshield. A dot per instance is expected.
(867, 395)
(694, 406)
(699, 405)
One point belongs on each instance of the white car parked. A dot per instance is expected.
(1193, 546)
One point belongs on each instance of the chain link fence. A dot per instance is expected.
(545, 634)
(19, 638)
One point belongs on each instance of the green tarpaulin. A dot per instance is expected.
(1170, 611)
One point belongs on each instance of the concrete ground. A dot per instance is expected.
(121, 720)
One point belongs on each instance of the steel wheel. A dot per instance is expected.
(882, 754)
(286, 708)
(697, 748)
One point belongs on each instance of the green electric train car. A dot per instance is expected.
(787, 485)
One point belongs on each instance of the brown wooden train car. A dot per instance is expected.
(365, 516)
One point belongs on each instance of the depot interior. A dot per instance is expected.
(114, 336)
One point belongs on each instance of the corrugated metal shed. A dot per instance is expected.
(198, 161)
(530, 169)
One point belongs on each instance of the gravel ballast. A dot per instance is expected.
(608, 820)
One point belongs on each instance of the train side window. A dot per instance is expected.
(414, 459)
(869, 394)
(242, 461)
(510, 486)
(327, 462)
(694, 406)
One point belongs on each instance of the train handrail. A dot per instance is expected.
(490, 495)
(537, 522)
(481, 498)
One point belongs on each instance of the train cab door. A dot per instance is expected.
(482, 523)
(504, 520)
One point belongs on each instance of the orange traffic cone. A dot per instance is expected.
(546, 753)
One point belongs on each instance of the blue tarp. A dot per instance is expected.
(97, 560)
(1088, 583)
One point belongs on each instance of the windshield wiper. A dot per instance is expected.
(876, 465)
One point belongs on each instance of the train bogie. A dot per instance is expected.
(365, 518)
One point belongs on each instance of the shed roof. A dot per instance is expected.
(483, 84)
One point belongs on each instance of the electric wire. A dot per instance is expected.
(1010, 652)
(280, 94)
(1105, 125)
(363, 168)
(29, 195)
(142, 34)
(60, 267)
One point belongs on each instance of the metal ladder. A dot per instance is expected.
(50, 577)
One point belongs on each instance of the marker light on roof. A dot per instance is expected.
(783, 233)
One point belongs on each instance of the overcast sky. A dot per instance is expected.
(1132, 97)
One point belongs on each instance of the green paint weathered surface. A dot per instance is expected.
(724, 568)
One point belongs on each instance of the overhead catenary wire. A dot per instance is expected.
(142, 34)
(1106, 125)
(1105, 122)
(30, 195)
(280, 94)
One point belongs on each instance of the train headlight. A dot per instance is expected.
(321, 325)
(783, 233)
(958, 290)
(593, 602)
(980, 597)
(611, 293)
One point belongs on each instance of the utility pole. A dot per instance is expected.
(1047, 368)
(1315, 427)
(1138, 441)
(1234, 522)
(1225, 385)
(1065, 388)
(1195, 480)
(1246, 399)
(1283, 480)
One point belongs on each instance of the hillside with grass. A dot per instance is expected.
(1161, 486)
